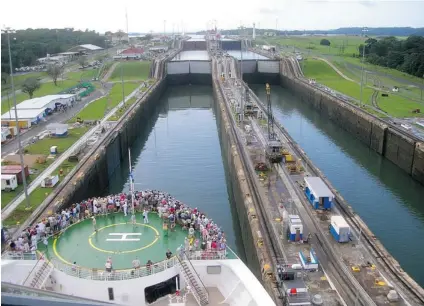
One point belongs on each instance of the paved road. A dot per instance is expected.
(12, 146)
(34, 184)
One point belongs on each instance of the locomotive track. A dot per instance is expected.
(353, 222)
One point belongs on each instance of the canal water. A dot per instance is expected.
(386, 198)
(180, 153)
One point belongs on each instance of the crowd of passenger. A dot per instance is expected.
(204, 237)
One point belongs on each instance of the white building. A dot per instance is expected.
(36, 109)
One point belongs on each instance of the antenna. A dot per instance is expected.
(126, 20)
(131, 182)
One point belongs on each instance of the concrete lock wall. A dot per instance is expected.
(249, 66)
(231, 45)
(180, 67)
(200, 67)
(92, 179)
(190, 45)
(268, 66)
(397, 146)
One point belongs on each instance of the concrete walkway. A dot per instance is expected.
(6, 211)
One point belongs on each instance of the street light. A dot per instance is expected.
(363, 65)
(7, 31)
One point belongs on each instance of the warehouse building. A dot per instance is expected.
(34, 110)
(85, 49)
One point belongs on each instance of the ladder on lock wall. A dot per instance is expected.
(191, 277)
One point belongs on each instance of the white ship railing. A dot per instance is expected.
(114, 275)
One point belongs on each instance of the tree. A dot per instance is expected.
(54, 71)
(324, 42)
(30, 85)
(82, 61)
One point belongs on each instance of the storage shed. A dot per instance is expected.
(339, 229)
(295, 228)
(58, 129)
(8, 182)
(318, 194)
(15, 170)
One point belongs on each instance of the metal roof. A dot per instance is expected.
(40, 102)
(23, 114)
(91, 47)
(318, 187)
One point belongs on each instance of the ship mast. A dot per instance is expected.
(131, 183)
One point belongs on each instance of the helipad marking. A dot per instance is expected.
(124, 237)
(123, 252)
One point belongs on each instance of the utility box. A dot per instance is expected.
(53, 150)
(50, 181)
(339, 229)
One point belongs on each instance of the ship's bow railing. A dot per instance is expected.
(114, 275)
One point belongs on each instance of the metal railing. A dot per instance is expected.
(114, 275)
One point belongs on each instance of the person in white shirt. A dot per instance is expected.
(145, 216)
(94, 224)
(125, 208)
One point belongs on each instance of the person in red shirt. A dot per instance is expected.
(213, 245)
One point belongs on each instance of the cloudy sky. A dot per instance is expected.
(146, 16)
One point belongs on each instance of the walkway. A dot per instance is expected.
(64, 156)
(335, 69)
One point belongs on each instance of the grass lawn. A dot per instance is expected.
(45, 89)
(122, 110)
(133, 70)
(86, 75)
(97, 109)
(326, 75)
(350, 43)
(6, 197)
(62, 143)
(20, 214)
(19, 79)
(394, 105)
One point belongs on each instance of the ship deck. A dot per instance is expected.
(116, 237)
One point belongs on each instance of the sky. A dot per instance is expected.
(195, 15)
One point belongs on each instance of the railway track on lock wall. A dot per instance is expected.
(264, 222)
(348, 284)
(353, 222)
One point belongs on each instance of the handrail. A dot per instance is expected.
(193, 290)
(35, 266)
(197, 276)
(114, 275)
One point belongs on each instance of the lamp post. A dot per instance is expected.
(363, 66)
(7, 31)
(241, 74)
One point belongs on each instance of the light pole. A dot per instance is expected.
(422, 88)
(363, 66)
(241, 74)
(21, 157)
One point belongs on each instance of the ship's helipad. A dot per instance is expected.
(116, 237)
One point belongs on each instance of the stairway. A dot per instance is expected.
(198, 289)
(41, 275)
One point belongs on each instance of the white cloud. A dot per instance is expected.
(145, 16)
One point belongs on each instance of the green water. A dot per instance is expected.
(386, 198)
(181, 155)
